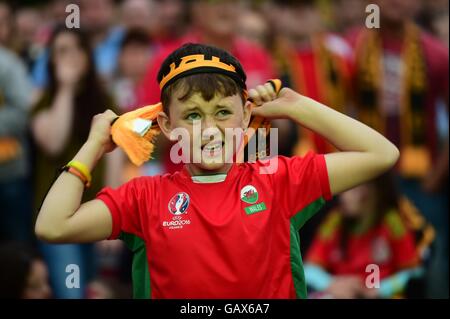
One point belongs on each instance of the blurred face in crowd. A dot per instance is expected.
(272, 13)
(67, 52)
(133, 59)
(5, 23)
(299, 21)
(216, 18)
(253, 27)
(58, 10)
(96, 15)
(394, 12)
(348, 13)
(139, 14)
(440, 26)
(170, 14)
(356, 201)
(37, 284)
(27, 23)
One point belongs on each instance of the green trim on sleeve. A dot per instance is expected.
(298, 273)
(297, 221)
(300, 218)
(140, 274)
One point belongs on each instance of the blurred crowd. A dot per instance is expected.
(54, 79)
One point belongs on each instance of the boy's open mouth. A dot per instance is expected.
(213, 149)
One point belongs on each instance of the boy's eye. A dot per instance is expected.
(223, 113)
(193, 117)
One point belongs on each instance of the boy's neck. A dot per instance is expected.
(196, 171)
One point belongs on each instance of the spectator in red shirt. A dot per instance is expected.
(365, 229)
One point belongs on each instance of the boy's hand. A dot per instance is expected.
(273, 106)
(100, 132)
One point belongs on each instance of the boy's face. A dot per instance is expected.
(205, 122)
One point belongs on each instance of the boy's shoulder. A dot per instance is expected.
(145, 179)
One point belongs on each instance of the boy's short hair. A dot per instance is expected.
(206, 81)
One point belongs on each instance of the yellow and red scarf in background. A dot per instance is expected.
(330, 74)
(415, 156)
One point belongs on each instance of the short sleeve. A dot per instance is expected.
(128, 205)
(302, 184)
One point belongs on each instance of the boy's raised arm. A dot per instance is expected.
(62, 218)
(365, 153)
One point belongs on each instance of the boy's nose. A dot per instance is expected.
(209, 123)
(210, 133)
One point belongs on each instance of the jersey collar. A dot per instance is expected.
(210, 179)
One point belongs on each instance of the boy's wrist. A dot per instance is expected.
(306, 111)
(94, 144)
(295, 109)
(90, 153)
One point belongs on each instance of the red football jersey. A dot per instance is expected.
(232, 239)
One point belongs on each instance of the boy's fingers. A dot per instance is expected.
(263, 93)
(255, 97)
(270, 88)
(110, 114)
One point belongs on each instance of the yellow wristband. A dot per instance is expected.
(82, 169)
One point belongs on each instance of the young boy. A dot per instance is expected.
(217, 229)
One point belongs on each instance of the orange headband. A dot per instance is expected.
(196, 61)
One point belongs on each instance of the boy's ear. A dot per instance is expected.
(164, 124)
(247, 114)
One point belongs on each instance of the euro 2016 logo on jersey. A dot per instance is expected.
(179, 203)
(178, 206)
